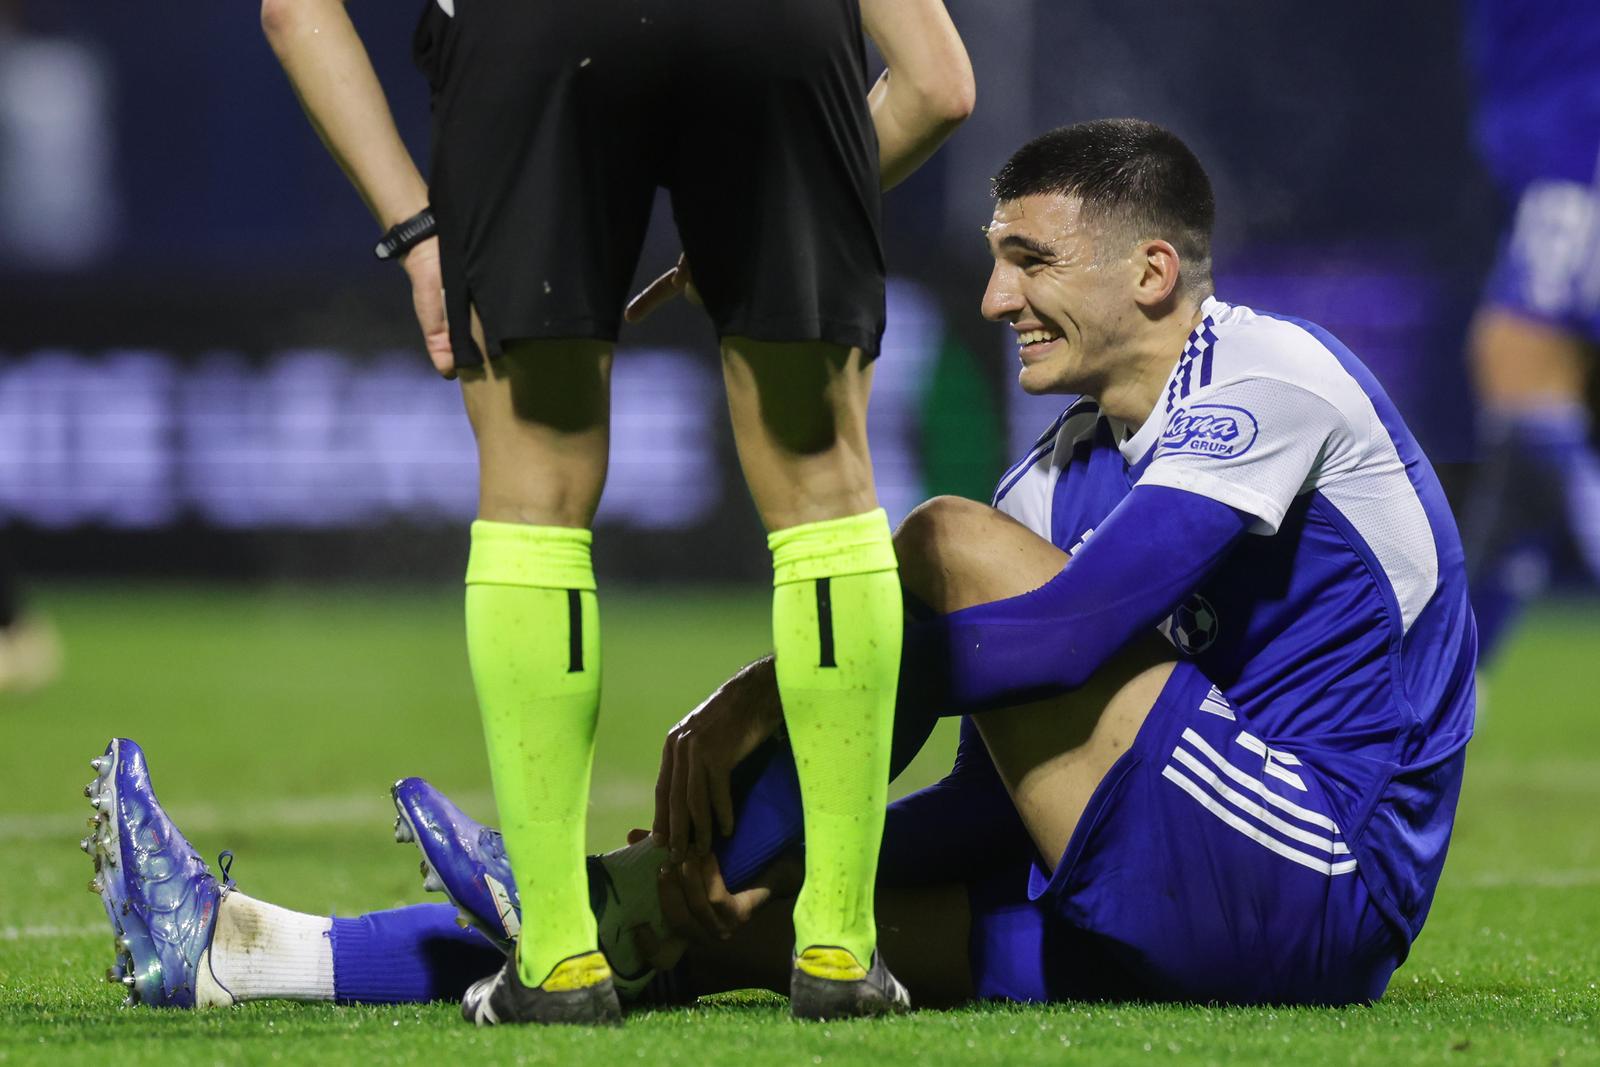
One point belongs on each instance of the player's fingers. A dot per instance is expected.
(701, 830)
(691, 292)
(675, 909)
(637, 834)
(719, 784)
(697, 897)
(654, 295)
(662, 826)
(678, 808)
(722, 902)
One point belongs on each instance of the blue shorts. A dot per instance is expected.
(1548, 267)
(1206, 867)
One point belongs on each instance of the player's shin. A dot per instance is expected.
(836, 632)
(533, 638)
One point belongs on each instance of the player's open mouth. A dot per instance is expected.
(1034, 342)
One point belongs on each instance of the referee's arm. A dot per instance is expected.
(926, 90)
(318, 47)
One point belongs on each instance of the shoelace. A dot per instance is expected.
(225, 865)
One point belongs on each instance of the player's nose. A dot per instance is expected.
(1002, 298)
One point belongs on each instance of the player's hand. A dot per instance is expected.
(696, 903)
(694, 795)
(674, 283)
(427, 297)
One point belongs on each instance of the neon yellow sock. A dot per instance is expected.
(533, 638)
(836, 617)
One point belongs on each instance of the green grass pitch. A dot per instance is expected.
(274, 722)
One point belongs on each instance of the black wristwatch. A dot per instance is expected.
(402, 237)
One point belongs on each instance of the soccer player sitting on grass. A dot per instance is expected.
(1211, 644)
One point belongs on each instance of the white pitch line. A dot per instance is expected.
(351, 809)
(1574, 879)
(50, 932)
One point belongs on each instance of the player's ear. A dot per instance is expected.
(1158, 272)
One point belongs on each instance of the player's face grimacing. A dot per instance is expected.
(1067, 299)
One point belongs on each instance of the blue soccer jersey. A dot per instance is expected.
(1340, 625)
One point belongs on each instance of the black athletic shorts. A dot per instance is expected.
(555, 121)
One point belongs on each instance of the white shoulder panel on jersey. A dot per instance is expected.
(1027, 490)
(1267, 413)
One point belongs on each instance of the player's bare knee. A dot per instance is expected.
(931, 545)
(956, 552)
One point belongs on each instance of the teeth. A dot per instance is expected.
(100, 763)
(402, 830)
(90, 791)
(87, 844)
(96, 885)
(1034, 337)
(432, 884)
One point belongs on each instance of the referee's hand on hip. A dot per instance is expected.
(427, 298)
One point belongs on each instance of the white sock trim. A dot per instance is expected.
(263, 952)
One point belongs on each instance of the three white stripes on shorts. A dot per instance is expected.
(1244, 803)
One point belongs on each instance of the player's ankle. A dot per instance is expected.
(261, 951)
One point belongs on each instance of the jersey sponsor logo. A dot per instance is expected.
(1220, 431)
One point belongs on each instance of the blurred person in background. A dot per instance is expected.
(1534, 340)
(58, 206)
(56, 212)
(30, 653)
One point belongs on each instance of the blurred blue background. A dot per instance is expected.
(203, 371)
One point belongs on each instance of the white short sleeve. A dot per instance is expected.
(1253, 443)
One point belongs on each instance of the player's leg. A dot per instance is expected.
(1052, 755)
(1145, 779)
(185, 939)
(540, 415)
(1532, 348)
(30, 652)
(1539, 477)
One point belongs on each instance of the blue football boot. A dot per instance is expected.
(461, 858)
(466, 861)
(161, 898)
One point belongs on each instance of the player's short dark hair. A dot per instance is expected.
(1127, 171)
